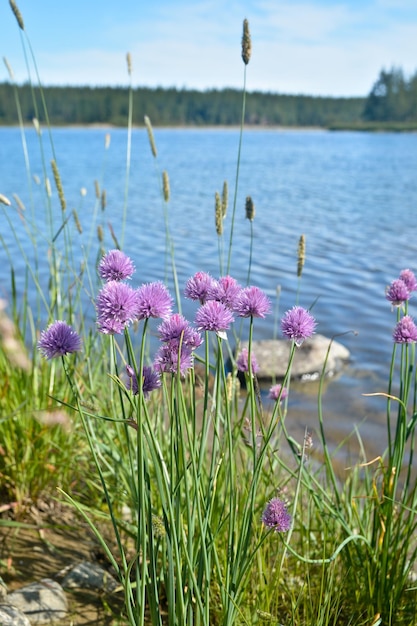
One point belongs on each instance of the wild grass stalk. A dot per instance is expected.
(246, 55)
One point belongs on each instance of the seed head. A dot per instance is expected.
(225, 198)
(250, 209)
(246, 43)
(218, 214)
(58, 184)
(301, 255)
(4, 200)
(165, 186)
(129, 63)
(150, 135)
(17, 14)
(9, 68)
(77, 221)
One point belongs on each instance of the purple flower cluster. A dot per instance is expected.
(400, 289)
(405, 330)
(278, 392)
(298, 324)
(215, 316)
(179, 340)
(276, 516)
(118, 304)
(115, 265)
(150, 380)
(242, 362)
(116, 307)
(398, 293)
(59, 339)
(244, 302)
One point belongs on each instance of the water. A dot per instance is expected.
(353, 196)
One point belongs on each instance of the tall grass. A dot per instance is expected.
(195, 463)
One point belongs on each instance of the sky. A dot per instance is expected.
(316, 47)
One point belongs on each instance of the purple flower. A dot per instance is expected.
(153, 300)
(226, 290)
(116, 307)
(177, 328)
(200, 287)
(169, 358)
(275, 392)
(298, 324)
(115, 265)
(242, 362)
(252, 302)
(214, 316)
(276, 516)
(58, 339)
(405, 330)
(409, 278)
(150, 380)
(397, 292)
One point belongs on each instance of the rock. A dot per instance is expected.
(272, 356)
(42, 602)
(11, 616)
(87, 575)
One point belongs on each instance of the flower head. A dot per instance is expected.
(214, 316)
(242, 362)
(226, 290)
(276, 516)
(199, 287)
(252, 302)
(153, 300)
(116, 306)
(298, 324)
(177, 328)
(278, 391)
(170, 359)
(115, 265)
(59, 339)
(405, 330)
(150, 380)
(397, 292)
(409, 278)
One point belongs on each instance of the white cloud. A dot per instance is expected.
(298, 47)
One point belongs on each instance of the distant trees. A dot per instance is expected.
(109, 105)
(392, 98)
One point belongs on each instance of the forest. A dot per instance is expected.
(391, 103)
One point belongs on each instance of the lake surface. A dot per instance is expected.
(353, 196)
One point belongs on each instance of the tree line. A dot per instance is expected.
(392, 98)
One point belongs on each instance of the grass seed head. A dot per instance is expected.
(165, 186)
(301, 253)
(218, 213)
(17, 14)
(246, 43)
(150, 136)
(250, 209)
(58, 184)
(225, 198)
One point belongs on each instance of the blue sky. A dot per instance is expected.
(319, 47)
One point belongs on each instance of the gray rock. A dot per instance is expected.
(273, 355)
(11, 616)
(87, 575)
(43, 602)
